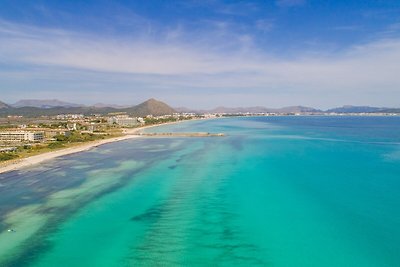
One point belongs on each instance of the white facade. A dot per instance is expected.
(123, 121)
(19, 136)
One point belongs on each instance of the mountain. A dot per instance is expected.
(238, 110)
(296, 109)
(46, 103)
(103, 105)
(256, 109)
(391, 110)
(158, 108)
(4, 105)
(32, 112)
(355, 109)
(151, 107)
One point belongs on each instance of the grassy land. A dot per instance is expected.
(74, 139)
(8, 156)
(61, 142)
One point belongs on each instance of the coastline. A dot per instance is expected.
(36, 159)
(17, 164)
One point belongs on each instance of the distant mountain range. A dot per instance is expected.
(356, 109)
(51, 107)
(3, 105)
(37, 108)
(292, 109)
(46, 103)
(258, 109)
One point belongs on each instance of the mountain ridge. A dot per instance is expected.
(149, 107)
(255, 109)
(51, 107)
(43, 103)
(4, 105)
(356, 109)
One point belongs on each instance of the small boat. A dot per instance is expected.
(11, 230)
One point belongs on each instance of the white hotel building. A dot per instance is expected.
(20, 136)
(123, 121)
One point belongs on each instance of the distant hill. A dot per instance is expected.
(238, 110)
(391, 110)
(296, 109)
(3, 105)
(31, 112)
(46, 103)
(103, 105)
(355, 109)
(154, 107)
(256, 109)
(151, 107)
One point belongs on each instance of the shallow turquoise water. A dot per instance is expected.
(277, 191)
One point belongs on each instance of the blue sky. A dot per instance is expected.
(202, 54)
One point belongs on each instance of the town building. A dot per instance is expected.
(123, 120)
(69, 116)
(20, 136)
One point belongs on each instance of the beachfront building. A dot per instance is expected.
(123, 120)
(21, 136)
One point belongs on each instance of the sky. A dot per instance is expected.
(202, 53)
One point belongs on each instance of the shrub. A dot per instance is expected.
(55, 145)
(7, 156)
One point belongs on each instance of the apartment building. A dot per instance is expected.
(20, 136)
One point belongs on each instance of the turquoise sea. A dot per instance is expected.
(276, 191)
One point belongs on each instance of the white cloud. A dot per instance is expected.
(364, 74)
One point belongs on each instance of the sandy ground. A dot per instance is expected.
(36, 159)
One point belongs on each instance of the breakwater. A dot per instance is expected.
(195, 134)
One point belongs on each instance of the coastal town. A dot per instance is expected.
(27, 134)
(199, 133)
(22, 137)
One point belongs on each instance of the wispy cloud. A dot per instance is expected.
(174, 66)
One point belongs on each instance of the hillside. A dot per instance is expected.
(158, 108)
(45, 103)
(3, 105)
(355, 109)
(256, 109)
(151, 107)
(296, 109)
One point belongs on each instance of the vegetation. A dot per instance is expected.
(75, 137)
(58, 125)
(7, 156)
(152, 121)
(56, 145)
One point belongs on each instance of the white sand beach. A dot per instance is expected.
(36, 159)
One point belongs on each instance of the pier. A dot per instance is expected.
(195, 134)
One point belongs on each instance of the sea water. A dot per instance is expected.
(275, 191)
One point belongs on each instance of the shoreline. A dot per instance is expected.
(36, 159)
(17, 164)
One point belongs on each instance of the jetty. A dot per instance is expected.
(176, 134)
